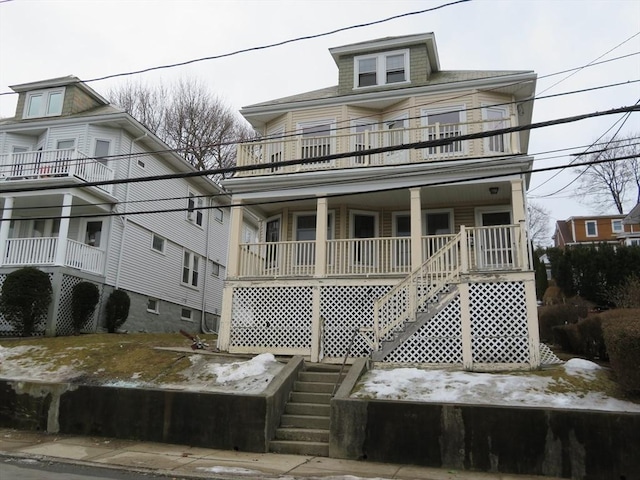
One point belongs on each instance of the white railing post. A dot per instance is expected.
(321, 237)
(464, 250)
(63, 231)
(7, 211)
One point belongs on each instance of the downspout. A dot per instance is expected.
(124, 217)
(203, 324)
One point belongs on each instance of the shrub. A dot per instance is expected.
(593, 346)
(622, 338)
(551, 316)
(568, 337)
(627, 295)
(117, 310)
(25, 298)
(84, 299)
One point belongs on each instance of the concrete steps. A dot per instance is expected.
(304, 426)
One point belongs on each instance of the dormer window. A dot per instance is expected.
(381, 69)
(44, 103)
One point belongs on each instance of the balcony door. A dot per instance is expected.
(494, 246)
(396, 134)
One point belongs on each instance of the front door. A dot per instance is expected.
(494, 246)
(272, 237)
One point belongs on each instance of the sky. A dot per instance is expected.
(41, 39)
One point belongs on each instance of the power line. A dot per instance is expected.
(335, 156)
(271, 45)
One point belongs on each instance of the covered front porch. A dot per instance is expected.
(54, 229)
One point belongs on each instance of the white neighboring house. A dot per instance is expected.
(404, 254)
(172, 263)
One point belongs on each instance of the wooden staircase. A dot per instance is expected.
(304, 426)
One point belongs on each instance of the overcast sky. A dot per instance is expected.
(42, 39)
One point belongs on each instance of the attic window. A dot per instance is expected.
(44, 103)
(381, 69)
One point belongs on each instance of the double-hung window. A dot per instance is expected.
(445, 124)
(591, 228)
(190, 269)
(384, 68)
(44, 103)
(194, 208)
(616, 226)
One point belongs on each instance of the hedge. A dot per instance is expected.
(621, 330)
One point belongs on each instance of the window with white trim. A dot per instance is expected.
(101, 150)
(616, 226)
(190, 269)
(157, 243)
(496, 118)
(153, 305)
(384, 68)
(194, 208)
(215, 269)
(44, 103)
(443, 124)
(218, 214)
(591, 227)
(186, 314)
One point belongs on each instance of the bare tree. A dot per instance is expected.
(539, 228)
(611, 182)
(188, 118)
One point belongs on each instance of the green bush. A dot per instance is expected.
(84, 298)
(25, 298)
(551, 316)
(593, 346)
(622, 337)
(117, 310)
(568, 337)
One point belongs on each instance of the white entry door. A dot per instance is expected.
(494, 246)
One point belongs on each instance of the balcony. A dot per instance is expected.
(476, 249)
(22, 252)
(62, 163)
(309, 146)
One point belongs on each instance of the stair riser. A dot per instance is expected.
(307, 409)
(300, 449)
(304, 397)
(302, 421)
(322, 377)
(313, 387)
(302, 435)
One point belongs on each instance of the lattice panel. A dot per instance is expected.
(346, 309)
(277, 317)
(64, 321)
(499, 331)
(8, 330)
(438, 341)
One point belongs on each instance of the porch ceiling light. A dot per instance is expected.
(493, 190)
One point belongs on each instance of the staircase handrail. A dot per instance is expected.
(436, 279)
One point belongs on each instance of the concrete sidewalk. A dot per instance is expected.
(193, 462)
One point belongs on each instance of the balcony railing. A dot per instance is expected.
(60, 163)
(487, 249)
(43, 251)
(273, 150)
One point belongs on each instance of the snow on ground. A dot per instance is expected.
(14, 364)
(518, 389)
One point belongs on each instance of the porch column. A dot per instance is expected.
(321, 237)
(7, 211)
(63, 233)
(519, 218)
(532, 321)
(416, 229)
(235, 237)
(465, 324)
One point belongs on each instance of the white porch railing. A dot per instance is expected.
(487, 249)
(53, 164)
(43, 251)
(297, 147)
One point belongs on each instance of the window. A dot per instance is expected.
(93, 233)
(305, 230)
(362, 139)
(44, 103)
(215, 269)
(157, 243)
(141, 163)
(316, 140)
(402, 248)
(186, 314)
(616, 226)
(448, 123)
(153, 305)
(218, 214)
(438, 223)
(591, 227)
(190, 268)
(381, 69)
(101, 150)
(496, 118)
(194, 208)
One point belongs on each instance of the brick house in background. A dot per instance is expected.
(404, 254)
(613, 229)
(65, 135)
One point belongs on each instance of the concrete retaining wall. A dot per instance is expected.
(576, 444)
(215, 420)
